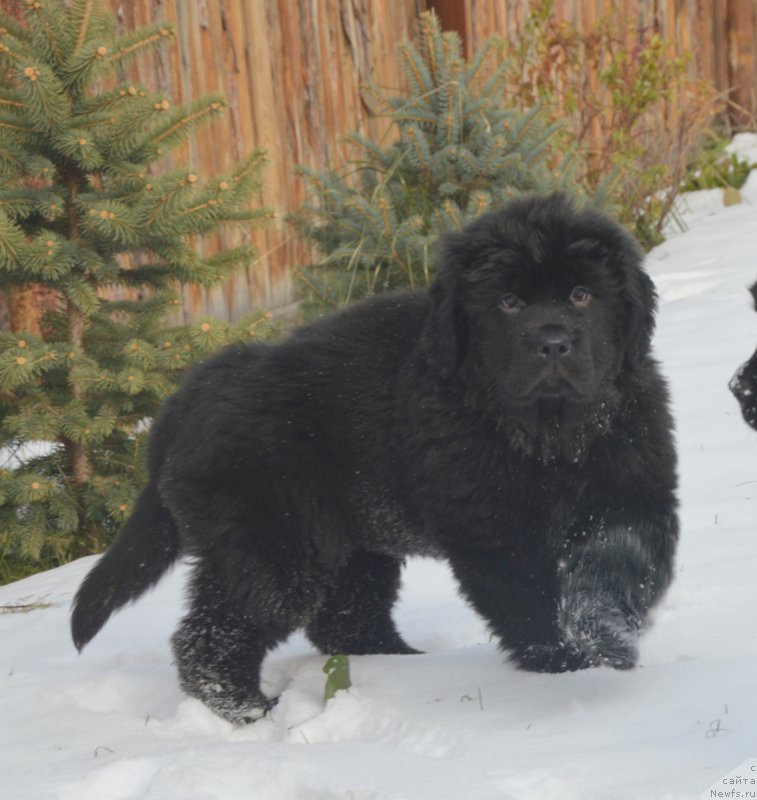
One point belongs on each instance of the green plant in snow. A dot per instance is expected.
(337, 670)
(714, 168)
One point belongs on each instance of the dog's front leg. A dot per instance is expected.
(516, 590)
(609, 581)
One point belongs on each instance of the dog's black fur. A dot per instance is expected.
(509, 420)
(744, 383)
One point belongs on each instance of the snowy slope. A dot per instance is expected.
(456, 722)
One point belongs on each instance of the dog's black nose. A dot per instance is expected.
(553, 342)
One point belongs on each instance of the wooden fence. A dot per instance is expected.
(293, 72)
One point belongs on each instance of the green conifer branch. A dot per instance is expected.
(421, 82)
(48, 30)
(13, 49)
(43, 95)
(12, 240)
(81, 14)
(132, 44)
(183, 120)
(85, 65)
(16, 127)
(12, 103)
(9, 25)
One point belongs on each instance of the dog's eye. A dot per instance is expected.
(580, 296)
(511, 302)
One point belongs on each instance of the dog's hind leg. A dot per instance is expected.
(219, 650)
(355, 615)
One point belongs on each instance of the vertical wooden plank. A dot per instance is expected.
(719, 66)
(742, 62)
(455, 15)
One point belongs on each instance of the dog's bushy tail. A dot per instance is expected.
(146, 547)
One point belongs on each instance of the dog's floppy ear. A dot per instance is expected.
(446, 332)
(640, 298)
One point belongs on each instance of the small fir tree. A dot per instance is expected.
(459, 150)
(85, 212)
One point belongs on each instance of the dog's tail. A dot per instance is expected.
(146, 547)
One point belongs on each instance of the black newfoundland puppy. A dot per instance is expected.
(744, 383)
(509, 420)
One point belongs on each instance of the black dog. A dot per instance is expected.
(509, 420)
(744, 383)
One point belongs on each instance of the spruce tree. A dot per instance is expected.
(457, 149)
(86, 211)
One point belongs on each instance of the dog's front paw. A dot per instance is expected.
(600, 635)
(604, 635)
(561, 657)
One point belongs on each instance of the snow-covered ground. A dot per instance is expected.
(456, 722)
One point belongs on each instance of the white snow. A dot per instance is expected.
(112, 724)
(744, 145)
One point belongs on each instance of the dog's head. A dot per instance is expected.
(744, 382)
(540, 300)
